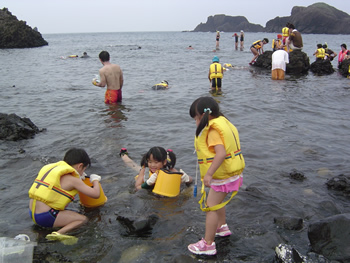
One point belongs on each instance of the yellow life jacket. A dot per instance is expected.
(320, 53)
(285, 31)
(47, 186)
(234, 161)
(256, 44)
(216, 71)
(276, 42)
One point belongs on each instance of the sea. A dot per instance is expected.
(297, 125)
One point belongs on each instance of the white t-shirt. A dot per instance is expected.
(279, 59)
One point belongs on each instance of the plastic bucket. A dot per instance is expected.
(89, 201)
(12, 250)
(168, 183)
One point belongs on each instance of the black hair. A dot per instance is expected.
(104, 56)
(343, 45)
(266, 40)
(325, 46)
(319, 45)
(291, 26)
(75, 155)
(208, 106)
(160, 154)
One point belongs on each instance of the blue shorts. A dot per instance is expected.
(46, 219)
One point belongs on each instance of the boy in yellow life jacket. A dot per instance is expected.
(55, 187)
(216, 73)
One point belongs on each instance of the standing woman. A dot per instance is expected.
(217, 39)
(242, 39)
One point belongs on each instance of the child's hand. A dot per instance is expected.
(94, 177)
(184, 178)
(152, 179)
(207, 180)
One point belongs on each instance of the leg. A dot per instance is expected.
(255, 53)
(214, 218)
(69, 220)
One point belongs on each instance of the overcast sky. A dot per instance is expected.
(80, 16)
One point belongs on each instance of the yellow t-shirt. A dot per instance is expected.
(213, 139)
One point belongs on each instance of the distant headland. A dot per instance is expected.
(318, 18)
(17, 34)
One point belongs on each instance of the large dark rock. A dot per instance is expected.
(299, 62)
(17, 34)
(227, 24)
(14, 128)
(331, 237)
(318, 18)
(344, 68)
(288, 254)
(322, 67)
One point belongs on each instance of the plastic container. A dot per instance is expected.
(89, 201)
(13, 251)
(168, 183)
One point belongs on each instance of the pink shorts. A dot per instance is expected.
(232, 185)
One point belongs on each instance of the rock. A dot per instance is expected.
(318, 18)
(227, 24)
(340, 183)
(139, 226)
(287, 254)
(322, 67)
(290, 223)
(331, 237)
(14, 128)
(296, 175)
(299, 62)
(17, 34)
(344, 68)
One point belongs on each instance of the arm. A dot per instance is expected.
(121, 79)
(69, 182)
(140, 179)
(103, 80)
(220, 154)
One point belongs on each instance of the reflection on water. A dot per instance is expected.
(115, 114)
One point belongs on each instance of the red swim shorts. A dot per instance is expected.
(113, 96)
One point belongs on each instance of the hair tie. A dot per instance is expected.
(168, 157)
(207, 109)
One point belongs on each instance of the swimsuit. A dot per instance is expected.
(113, 96)
(46, 219)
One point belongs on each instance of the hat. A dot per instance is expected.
(279, 36)
(216, 59)
(241, 31)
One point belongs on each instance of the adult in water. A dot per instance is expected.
(112, 76)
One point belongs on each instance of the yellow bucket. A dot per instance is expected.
(89, 201)
(168, 183)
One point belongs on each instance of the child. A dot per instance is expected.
(55, 187)
(155, 159)
(257, 48)
(215, 75)
(221, 165)
(320, 52)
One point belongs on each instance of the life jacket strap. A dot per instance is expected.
(33, 210)
(215, 207)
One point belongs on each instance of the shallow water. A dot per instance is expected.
(300, 123)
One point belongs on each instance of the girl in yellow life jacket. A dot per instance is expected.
(152, 162)
(221, 164)
(55, 187)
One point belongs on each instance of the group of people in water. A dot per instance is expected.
(219, 158)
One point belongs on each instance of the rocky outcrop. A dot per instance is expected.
(322, 67)
(17, 34)
(227, 24)
(331, 237)
(340, 183)
(344, 68)
(318, 18)
(299, 62)
(14, 128)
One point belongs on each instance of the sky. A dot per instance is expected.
(84, 16)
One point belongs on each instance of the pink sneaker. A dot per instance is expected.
(223, 231)
(202, 248)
